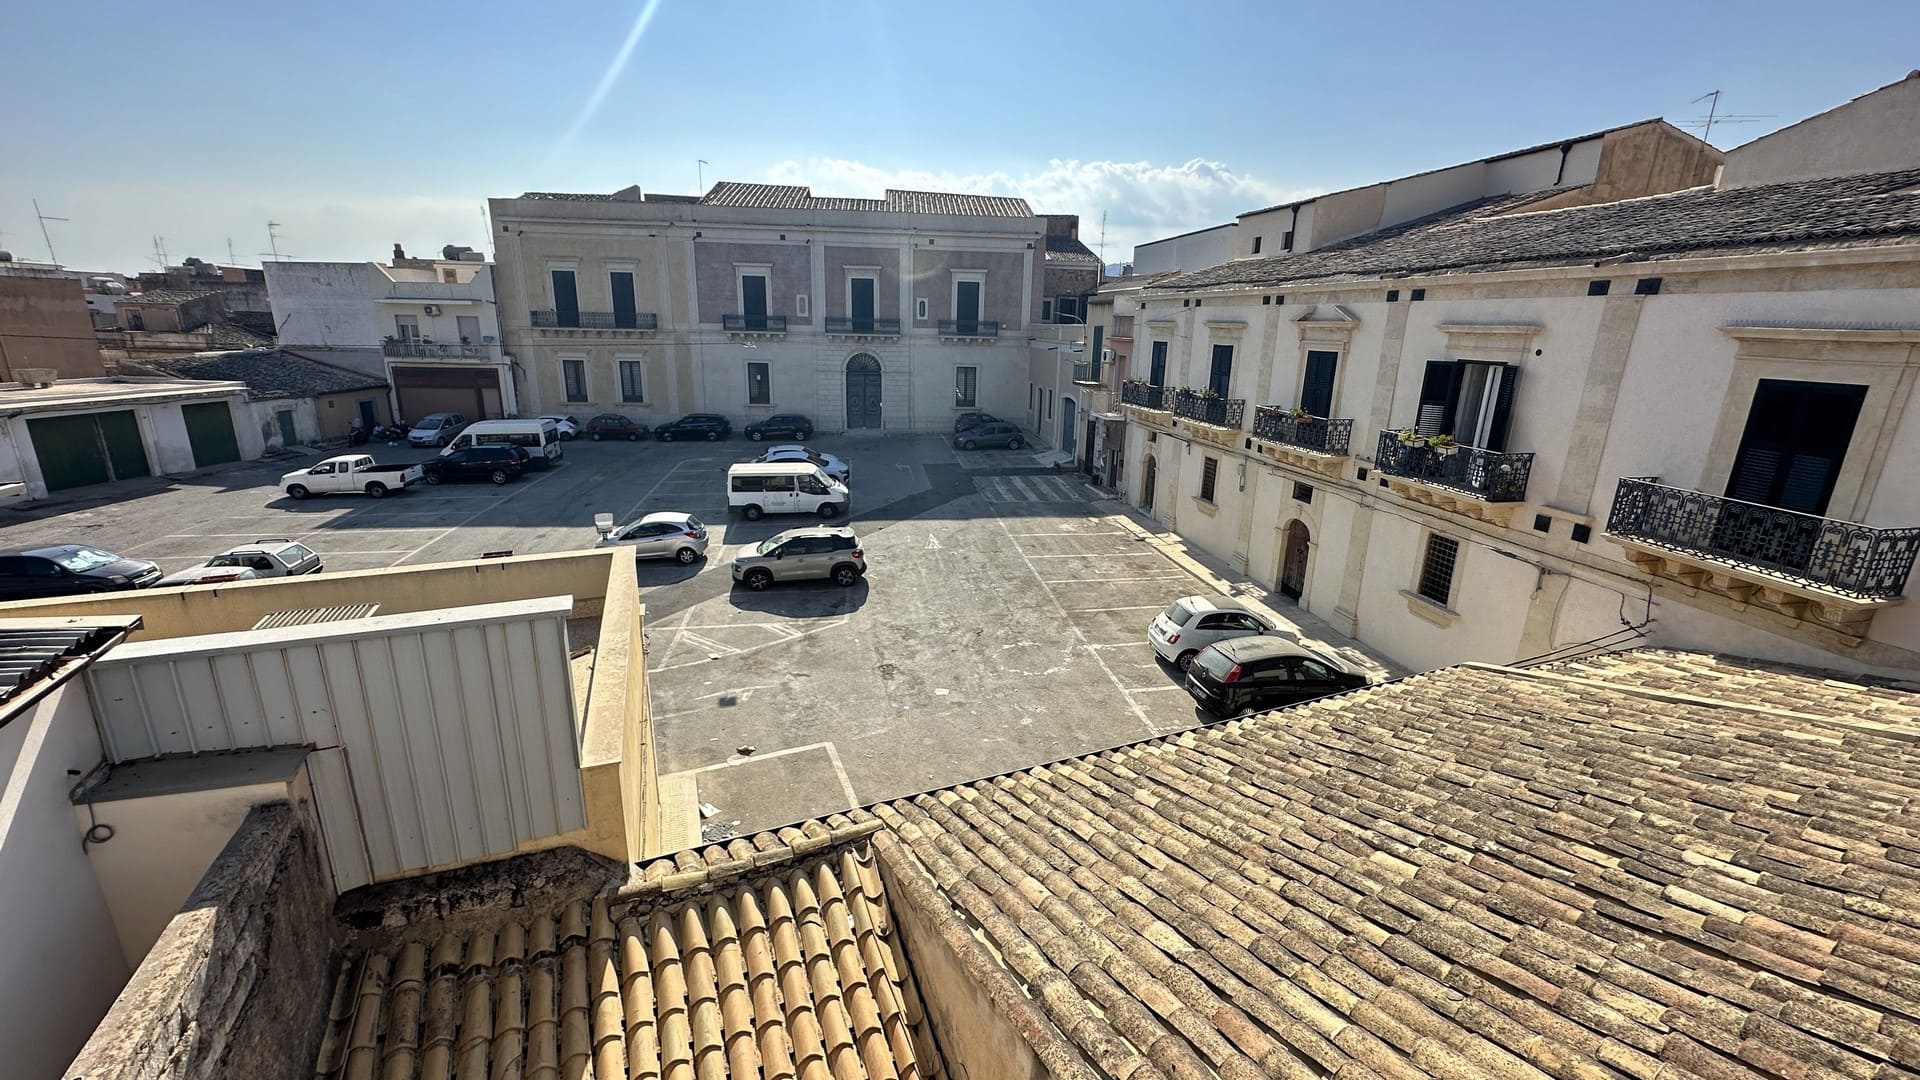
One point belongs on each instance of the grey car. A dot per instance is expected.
(831, 552)
(662, 535)
(1192, 623)
(998, 433)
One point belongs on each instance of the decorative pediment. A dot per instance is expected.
(1490, 341)
(1326, 324)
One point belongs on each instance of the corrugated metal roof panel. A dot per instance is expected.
(309, 616)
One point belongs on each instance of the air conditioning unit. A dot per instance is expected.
(486, 339)
(1106, 356)
(433, 309)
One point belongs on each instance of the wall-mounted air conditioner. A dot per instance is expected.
(433, 309)
(1106, 356)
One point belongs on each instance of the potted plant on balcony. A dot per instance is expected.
(1296, 413)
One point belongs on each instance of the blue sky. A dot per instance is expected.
(359, 124)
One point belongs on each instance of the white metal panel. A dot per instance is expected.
(454, 731)
(340, 826)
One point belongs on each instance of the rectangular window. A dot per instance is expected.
(1046, 310)
(566, 298)
(966, 385)
(1209, 474)
(406, 327)
(574, 372)
(861, 293)
(1220, 374)
(800, 305)
(966, 304)
(1303, 492)
(1436, 570)
(759, 383)
(1256, 245)
(1316, 389)
(1157, 373)
(1030, 389)
(1470, 400)
(631, 387)
(1795, 441)
(753, 301)
(1067, 309)
(625, 310)
(1286, 240)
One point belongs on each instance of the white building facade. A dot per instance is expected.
(888, 314)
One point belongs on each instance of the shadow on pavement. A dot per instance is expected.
(803, 600)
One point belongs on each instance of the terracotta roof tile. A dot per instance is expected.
(1653, 865)
(793, 971)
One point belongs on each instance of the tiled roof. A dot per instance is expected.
(566, 196)
(230, 333)
(268, 373)
(1471, 872)
(167, 296)
(790, 969)
(1068, 249)
(1498, 233)
(941, 202)
(798, 197)
(1808, 691)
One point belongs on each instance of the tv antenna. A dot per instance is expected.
(273, 240)
(1103, 243)
(1715, 117)
(51, 257)
(159, 251)
(232, 259)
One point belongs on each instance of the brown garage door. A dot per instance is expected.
(472, 391)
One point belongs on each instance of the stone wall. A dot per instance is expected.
(234, 985)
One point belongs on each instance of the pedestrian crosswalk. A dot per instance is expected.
(1019, 489)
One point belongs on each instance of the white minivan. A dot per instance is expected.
(784, 487)
(539, 438)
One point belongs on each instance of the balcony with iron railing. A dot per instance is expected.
(1088, 373)
(754, 324)
(861, 326)
(549, 319)
(1205, 408)
(1143, 395)
(969, 328)
(1484, 484)
(1822, 573)
(1301, 439)
(416, 349)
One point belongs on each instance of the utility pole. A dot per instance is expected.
(701, 171)
(51, 257)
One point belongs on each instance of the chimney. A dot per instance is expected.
(399, 253)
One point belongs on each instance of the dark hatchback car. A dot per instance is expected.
(68, 569)
(972, 420)
(615, 426)
(780, 426)
(497, 464)
(1253, 674)
(997, 433)
(700, 425)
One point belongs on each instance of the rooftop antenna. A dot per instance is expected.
(232, 259)
(273, 239)
(160, 251)
(701, 171)
(1103, 241)
(51, 257)
(1715, 116)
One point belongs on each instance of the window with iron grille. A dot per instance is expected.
(966, 382)
(575, 374)
(631, 386)
(759, 383)
(1209, 472)
(1436, 570)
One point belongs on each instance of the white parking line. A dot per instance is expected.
(1091, 555)
(492, 504)
(1175, 576)
(1127, 607)
(635, 508)
(833, 755)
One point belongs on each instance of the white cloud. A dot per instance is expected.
(1142, 201)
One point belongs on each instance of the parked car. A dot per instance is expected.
(831, 552)
(709, 426)
(1192, 623)
(783, 425)
(614, 426)
(539, 438)
(569, 427)
(497, 464)
(1253, 674)
(350, 472)
(69, 569)
(996, 433)
(972, 420)
(667, 534)
(435, 429)
(205, 575)
(828, 463)
(277, 557)
(784, 487)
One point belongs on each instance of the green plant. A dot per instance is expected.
(1297, 413)
(1209, 394)
(1410, 437)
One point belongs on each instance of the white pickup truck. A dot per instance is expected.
(350, 472)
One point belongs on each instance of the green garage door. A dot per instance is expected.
(75, 451)
(210, 433)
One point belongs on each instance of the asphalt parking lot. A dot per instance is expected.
(1001, 624)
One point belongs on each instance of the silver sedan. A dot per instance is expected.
(665, 535)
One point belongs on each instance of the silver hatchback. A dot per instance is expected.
(1192, 623)
(820, 551)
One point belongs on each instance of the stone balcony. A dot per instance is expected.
(1486, 485)
(1208, 417)
(1316, 443)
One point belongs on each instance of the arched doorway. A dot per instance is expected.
(1293, 559)
(1066, 425)
(863, 391)
(1149, 472)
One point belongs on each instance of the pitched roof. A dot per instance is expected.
(790, 968)
(1476, 871)
(1069, 249)
(798, 197)
(1499, 233)
(166, 296)
(267, 373)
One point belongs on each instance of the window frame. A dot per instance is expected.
(854, 273)
(639, 370)
(1209, 478)
(567, 388)
(766, 382)
(978, 277)
(966, 392)
(1425, 575)
(920, 309)
(743, 271)
(633, 292)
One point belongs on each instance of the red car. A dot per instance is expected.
(615, 426)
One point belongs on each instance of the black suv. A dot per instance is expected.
(698, 425)
(498, 464)
(780, 425)
(1252, 674)
(67, 569)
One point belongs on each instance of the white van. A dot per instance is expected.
(539, 438)
(784, 487)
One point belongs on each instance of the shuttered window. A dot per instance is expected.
(1316, 389)
(1209, 473)
(1471, 400)
(1795, 441)
(575, 374)
(631, 386)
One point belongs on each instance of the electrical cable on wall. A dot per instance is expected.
(97, 832)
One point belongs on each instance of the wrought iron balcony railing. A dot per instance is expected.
(969, 328)
(1223, 412)
(1088, 372)
(850, 324)
(1143, 395)
(433, 350)
(1485, 474)
(754, 324)
(596, 320)
(1842, 556)
(1316, 433)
